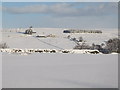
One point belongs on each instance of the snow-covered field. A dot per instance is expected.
(60, 71)
(19, 40)
(57, 70)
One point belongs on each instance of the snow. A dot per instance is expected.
(19, 40)
(31, 51)
(57, 70)
(60, 71)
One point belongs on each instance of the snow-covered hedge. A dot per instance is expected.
(30, 51)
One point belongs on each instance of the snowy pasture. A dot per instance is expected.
(60, 71)
(16, 39)
(57, 70)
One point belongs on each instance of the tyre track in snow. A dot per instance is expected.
(49, 44)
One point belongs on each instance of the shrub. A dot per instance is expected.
(82, 46)
(3, 45)
(113, 45)
(80, 39)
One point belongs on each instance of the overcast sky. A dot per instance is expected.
(60, 14)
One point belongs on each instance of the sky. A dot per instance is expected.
(91, 15)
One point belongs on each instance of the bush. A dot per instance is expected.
(3, 45)
(80, 39)
(113, 45)
(82, 46)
